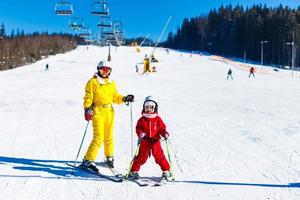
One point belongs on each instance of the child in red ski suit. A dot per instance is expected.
(149, 129)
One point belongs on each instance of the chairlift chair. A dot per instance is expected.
(99, 9)
(107, 33)
(75, 23)
(105, 23)
(84, 33)
(63, 8)
(109, 37)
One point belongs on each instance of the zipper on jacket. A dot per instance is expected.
(150, 128)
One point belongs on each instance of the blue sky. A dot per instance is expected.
(140, 17)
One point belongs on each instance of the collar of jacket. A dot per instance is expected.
(152, 115)
(101, 81)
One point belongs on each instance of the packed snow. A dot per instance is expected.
(229, 139)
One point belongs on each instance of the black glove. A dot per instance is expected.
(165, 135)
(128, 98)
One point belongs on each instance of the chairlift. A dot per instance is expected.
(99, 9)
(105, 23)
(85, 33)
(75, 23)
(63, 8)
(109, 37)
(107, 33)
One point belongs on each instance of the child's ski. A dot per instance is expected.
(140, 182)
(163, 181)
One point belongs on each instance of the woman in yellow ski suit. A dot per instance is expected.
(100, 93)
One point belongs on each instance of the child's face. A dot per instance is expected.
(149, 109)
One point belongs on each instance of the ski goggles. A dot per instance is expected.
(104, 69)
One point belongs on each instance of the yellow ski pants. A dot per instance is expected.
(103, 123)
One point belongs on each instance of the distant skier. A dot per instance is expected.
(100, 93)
(252, 70)
(149, 129)
(229, 74)
(146, 65)
(153, 59)
(47, 67)
(136, 69)
(153, 69)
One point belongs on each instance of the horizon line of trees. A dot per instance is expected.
(243, 33)
(139, 40)
(21, 49)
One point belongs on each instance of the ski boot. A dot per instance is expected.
(166, 175)
(110, 161)
(89, 166)
(133, 175)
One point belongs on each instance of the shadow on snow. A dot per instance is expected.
(290, 185)
(59, 168)
(55, 167)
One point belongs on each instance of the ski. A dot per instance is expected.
(140, 182)
(108, 177)
(163, 181)
(115, 172)
(159, 183)
(148, 182)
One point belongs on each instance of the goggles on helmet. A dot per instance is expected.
(104, 69)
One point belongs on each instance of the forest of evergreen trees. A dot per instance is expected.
(239, 32)
(20, 48)
(139, 40)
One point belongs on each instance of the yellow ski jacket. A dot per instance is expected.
(101, 92)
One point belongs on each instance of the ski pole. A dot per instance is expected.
(135, 155)
(169, 158)
(81, 142)
(131, 129)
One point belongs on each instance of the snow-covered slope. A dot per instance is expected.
(229, 139)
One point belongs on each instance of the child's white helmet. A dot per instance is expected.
(149, 101)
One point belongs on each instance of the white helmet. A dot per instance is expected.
(149, 101)
(103, 63)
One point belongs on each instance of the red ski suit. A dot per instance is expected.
(153, 128)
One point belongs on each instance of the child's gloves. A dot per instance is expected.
(142, 135)
(165, 135)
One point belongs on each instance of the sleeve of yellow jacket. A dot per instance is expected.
(117, 98)
(89, 93)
